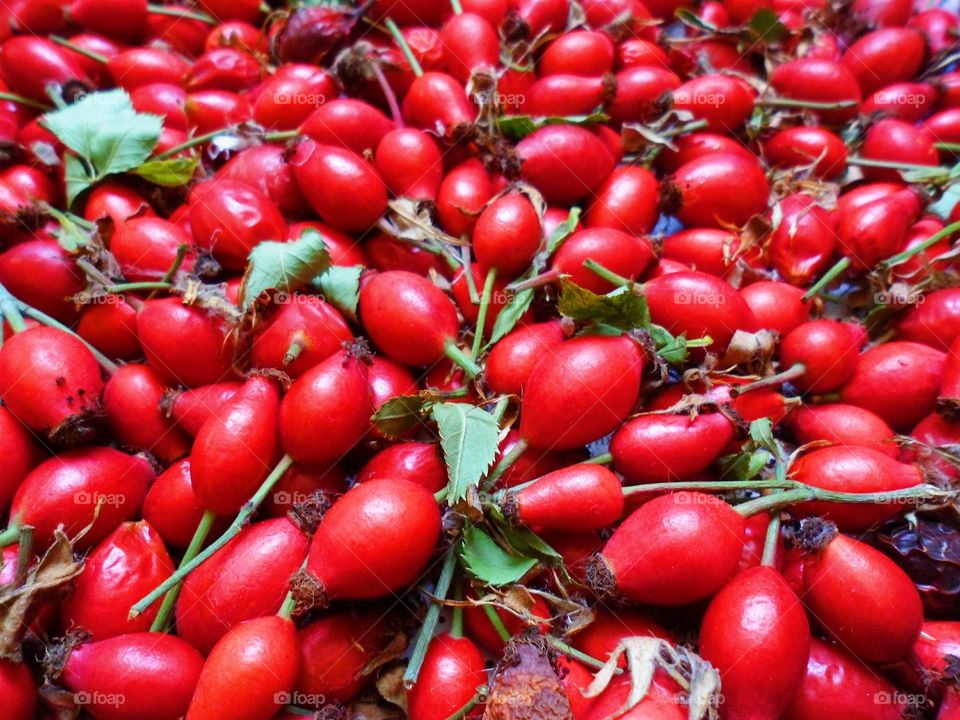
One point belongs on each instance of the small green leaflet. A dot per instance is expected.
(508, 318)
(761, 432)
(174, 172)
(488, 562)
(283, 266)
(622, 308)
(519, 126)
(763, 28)
(511, 314)
(107, 136)
(522, 539)
(399, 414)
(340, 285)
(469, 439)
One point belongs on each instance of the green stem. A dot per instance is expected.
(11, 535)
(505, 462)
(544, 278)
(441, 495)
(925, 245)
(468, 276)
(948, 146)
(808, 104)
(280, 135)
(484, 308)
(290, 600)
(106, 363)
(178, 13)
(497, 623)
(771, 541)
(806, 493)
(708, 486)
(604, 459)
(24, 549)
(456, 619)
(177, 262)
(129, 287)
(684, 129)
(161, 622)
(470, 705)
(459, 358)
(63, 42)
(893, 165)
(248, 509)
(609, 275)
(457, 7)
(567, 649)
(10, 311)
(425, 635)
(404, 47)
(832, 274)
(193, 142)
(25, 101)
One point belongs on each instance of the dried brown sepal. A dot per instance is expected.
(59, 703)
(753, 350)
(308, 513)
(47, 578)
(810, 535)
(525, 685)
(600, 577)
(79, 429)
(57, 652)
(308, 593)
(697, 678)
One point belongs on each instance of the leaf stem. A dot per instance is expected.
(192, 143)
(609, 275)
(805, 493)
(106, 363)
(289, 603)
(791, 373)
(178, 13)
(11, 313)
(456, 619)
(567, 649)
(919, 248)
(505, 462)
(404, 47)
(425, 635)
(90, 54)
(129, 287)
(161, 622)
(832, 274)
(11, 535)
(25, 101)
(893, 165)
(497, 623)
(771, 541)
(808, 104)
(459, 358)
(236, 526)
(544, 278)
(708, 486)
(457, 7)
(604, 459)
(280, 135)
(484, 309)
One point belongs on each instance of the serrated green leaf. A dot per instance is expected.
(107, 136)
(522, 539)
(488, 562)
(519, 126)
(622, 308)
(469, 439)
(283, 266)
(340, 285)
(399, 414)
(173, 172)
(761, 432)
(510, 315)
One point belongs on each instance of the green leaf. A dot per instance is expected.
(761, 432)
(519, 126)
(469, 439)
(766, 27)
(621, 308)
(488, 562)
(745, 465)
(510, 315)
(174, 172)
(673, 349)
(284, 266)
(562, 232)
(399, 414)
(107, 136)
(522, 539)
(340, 285)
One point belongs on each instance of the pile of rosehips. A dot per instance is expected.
(446, 359)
